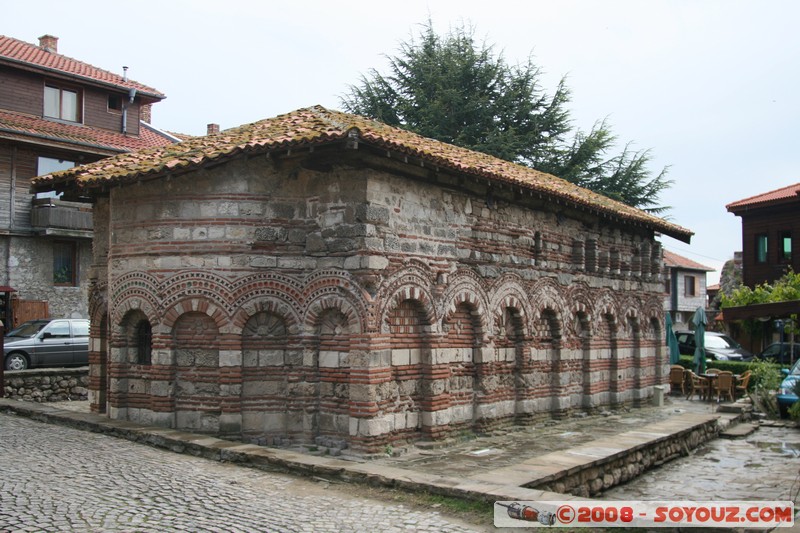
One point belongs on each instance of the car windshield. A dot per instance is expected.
(27, 330)
(721, 341)
(796, 369)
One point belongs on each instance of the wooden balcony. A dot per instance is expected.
(50, 216)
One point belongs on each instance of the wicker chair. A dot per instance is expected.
(723, 385)
(740, 389)
(677, 379)
(697, 385)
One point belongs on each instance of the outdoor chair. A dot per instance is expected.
(677, 379)
(697, 385)
(723, 385)
(741, 384)
(713, 371)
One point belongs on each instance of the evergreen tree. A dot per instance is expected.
(458, 91)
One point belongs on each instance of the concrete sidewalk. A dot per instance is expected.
(488, 468)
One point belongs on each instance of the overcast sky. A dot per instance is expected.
(710, 87)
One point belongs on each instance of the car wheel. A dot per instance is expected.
(16, 361)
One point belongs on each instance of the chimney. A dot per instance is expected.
(49, 43)
(146, 113)
(211, 129)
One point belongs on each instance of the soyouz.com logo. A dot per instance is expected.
(597, 513)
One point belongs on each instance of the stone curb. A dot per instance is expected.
(276, 460)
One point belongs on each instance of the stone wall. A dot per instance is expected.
(297, 299)
(47, 384)
(598, 476)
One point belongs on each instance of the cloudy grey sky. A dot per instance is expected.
(709, 86)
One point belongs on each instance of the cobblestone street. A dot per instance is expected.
(61, 479)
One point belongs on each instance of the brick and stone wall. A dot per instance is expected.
(47, 384)
(291, 299)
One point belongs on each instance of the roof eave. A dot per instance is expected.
(32, 67)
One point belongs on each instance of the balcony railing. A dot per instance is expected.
(54, 216)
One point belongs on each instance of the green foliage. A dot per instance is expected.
(786, 288)
(737, 367)
(764, 381)
(458, 91)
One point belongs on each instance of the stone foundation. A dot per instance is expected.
(593, 478)
(47, 385)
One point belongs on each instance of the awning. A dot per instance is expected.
(764, 311)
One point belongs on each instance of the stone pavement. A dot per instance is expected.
(60, 479)
(463, 469)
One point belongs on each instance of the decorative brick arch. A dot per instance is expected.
(135, 290)
(257, 303)
(508, 292)
(581, 310)
(547, 298)
(98, 301)
(196, 286)
(198, 305)
(411, 282)
(326, 289)
(464, 287)
(606, 310)
(653, 313)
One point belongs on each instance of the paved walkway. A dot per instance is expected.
(60, 479)
(462, 470)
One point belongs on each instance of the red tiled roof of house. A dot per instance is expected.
(784, 194)
(315, 126)
(30, 128)
(673, 260)
(28, 55)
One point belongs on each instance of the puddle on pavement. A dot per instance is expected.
(790, 449)
(764, 465)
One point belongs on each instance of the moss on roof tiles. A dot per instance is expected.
(317, 125)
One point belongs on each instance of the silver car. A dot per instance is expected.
(47, 342)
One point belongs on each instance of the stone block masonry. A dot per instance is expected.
(355, 300)
(47, 384)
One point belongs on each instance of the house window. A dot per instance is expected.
(668, 285)
(689, 286)
(114, 102)
(761, 248)
(785, 238)
(61, 103)
(64, 264)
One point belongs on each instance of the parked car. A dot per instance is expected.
(718, 346)
(47, 342)
(782, 353)
(786, 396)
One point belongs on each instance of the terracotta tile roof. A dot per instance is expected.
(30, 128)
(316, 126)
(782, 195)
(673, 260)
(28, 55)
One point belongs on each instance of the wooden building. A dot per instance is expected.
(770, 229)
(55, 113)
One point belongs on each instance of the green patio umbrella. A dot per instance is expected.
(699, 320)
(672, 342)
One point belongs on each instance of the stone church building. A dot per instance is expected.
(320, 275)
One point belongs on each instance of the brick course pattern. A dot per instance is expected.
(289, 304)
(318, 277)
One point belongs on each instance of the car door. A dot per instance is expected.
(80, 342)
(54, 344)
